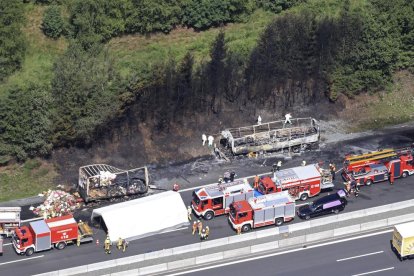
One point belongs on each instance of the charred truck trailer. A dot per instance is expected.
(101, 181)
(302, 134)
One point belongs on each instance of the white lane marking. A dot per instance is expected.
(208, 185)
(374, 271)
(282, 253)
(21, 260)
(32, 219)
(7, 244)
(182, 228)
(360, 256)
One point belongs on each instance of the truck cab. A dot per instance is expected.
(212, 206)
(268, 186)
(23, 240)
(241, 213)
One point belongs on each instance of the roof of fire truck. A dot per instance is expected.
(270, 200)
(298, 173)
(238, 186)
(39, 227)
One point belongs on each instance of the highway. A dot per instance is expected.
(363, 256)
(377, 194)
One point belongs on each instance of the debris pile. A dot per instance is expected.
(58, 203)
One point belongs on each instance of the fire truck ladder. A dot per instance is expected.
(373, 156)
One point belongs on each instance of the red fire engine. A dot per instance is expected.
(215, 200)
(301, 182)
(261, 211)
(44, 234)
(356, 162)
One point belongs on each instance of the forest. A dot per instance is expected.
(307, 52)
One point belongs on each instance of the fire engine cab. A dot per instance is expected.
(215, 200)
(301, 182)
(261, 211)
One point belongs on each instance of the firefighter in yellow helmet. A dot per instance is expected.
(107, 245)
(119, 244)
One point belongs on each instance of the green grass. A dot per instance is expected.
(134, 52)
(24, 180)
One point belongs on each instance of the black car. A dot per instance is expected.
(333, 203)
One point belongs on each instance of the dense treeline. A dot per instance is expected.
(300, 58)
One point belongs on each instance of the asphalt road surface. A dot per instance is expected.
(364, 256)
(377, 194)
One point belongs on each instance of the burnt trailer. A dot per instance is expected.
(302, 134)
(101, 181)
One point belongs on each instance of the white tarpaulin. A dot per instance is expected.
(144, 217)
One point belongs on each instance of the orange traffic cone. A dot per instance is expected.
(97, 242)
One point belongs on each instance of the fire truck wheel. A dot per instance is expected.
(209, 215)
(368, 182)
(61, 245)
(29, 252)
(404, 175)
(246, 228)
(279, 221)
(304, 196)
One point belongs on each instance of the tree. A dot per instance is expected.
(85, 90)
(25, 122)
(12, 43)
(53, 25)
(277, 6)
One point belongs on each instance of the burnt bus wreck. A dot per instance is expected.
(303, 134)
(101, 181)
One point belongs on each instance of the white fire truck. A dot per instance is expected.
(261, 211)
(215, 200)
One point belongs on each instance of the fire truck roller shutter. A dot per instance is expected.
(259, 216)
(289, 210)
(145, 216)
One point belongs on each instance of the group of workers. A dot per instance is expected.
(288, 116)
(202, 232)
(121, 244)
(210, 140)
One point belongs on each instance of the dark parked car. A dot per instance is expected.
(333, 203)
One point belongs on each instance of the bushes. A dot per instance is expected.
(53, 24)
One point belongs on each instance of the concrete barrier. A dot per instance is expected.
(186, 248)
(101, 265)
(210, 258)
(242, 237)
(181, 263)
(267, 233)
(132, 272)
(73, 271)
(299, 226)
(52, 273)
(291, 241)
(374, 224)
(400, 219)
(350, 215)
(323, 221)
(214, 243)
(236, 252)
(264, 247)
(378, 210)
(319, 236)
(347, 230)
(402, 204)
(152, 269)
(130, 260)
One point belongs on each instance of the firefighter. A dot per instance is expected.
(210, 141)
(391, 178)
(279, 165)
(204, 138)
(347, 188)
(232, 176)
(203, 235)
(78, 240)
(124, 245)
(200, 227)
(119, 244)
(226, 177)
(207, 232)
(287, 118)
(189, 212)
(256, 181)
(332, 169)
(259, 120)
(304, 163)
(238, 230)
(357, 188)
(220, 180)
(194, 227)
(107, 245)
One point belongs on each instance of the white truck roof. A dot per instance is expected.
(298, 173)
(270, 200)
(405, 229)
(236, 187)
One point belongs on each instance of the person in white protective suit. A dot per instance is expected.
(287, 119)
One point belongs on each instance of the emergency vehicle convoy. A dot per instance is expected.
(209, 202)
(301, 182)
(262, 211)
(43, 235)
(378, 166)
